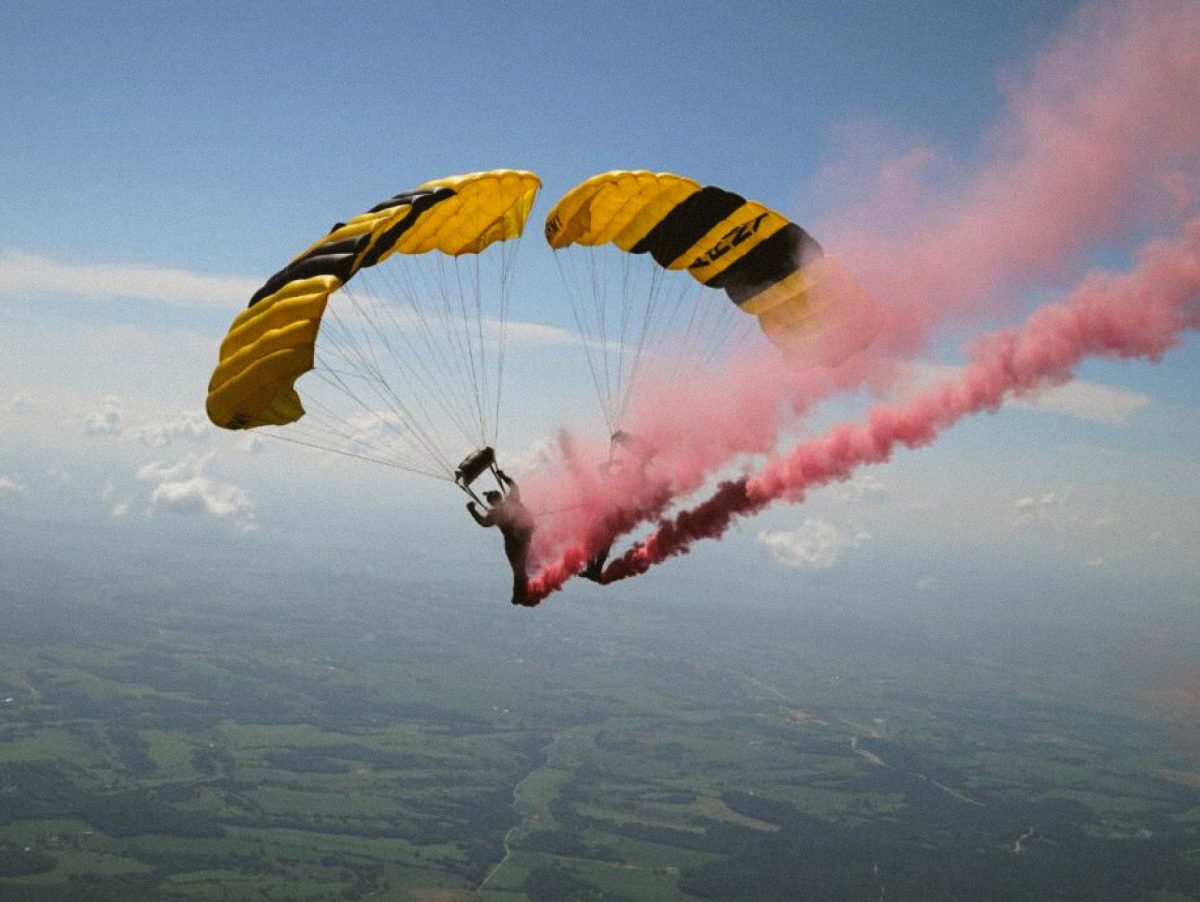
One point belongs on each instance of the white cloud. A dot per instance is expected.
(185, 488)
(189, 427)
(927, 583)
(541, 453)
(1088, 401)
(203, 494)
(190, 465)
(12, 486)
(1043, 508)
(860, 488)
(119, 510)
(1095, 562)
(1084, 400)
(816, 546)
(22, 273)
(361, 323)
(106, 420)
(29, 274)
(534, 334)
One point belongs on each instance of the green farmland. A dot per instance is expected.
(411, 749)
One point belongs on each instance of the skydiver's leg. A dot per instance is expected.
(517, 551)
(596, 565)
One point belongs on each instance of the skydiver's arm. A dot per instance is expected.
(513, 492)
(486, 520)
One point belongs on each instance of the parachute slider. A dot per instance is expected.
(472, 467)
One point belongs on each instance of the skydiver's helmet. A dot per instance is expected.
(493, 497)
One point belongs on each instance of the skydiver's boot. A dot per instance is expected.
(521, 593)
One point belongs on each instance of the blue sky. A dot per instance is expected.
(214, 141)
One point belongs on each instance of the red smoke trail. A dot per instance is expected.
(1100, 140)
(596, 505)
(1140, 314)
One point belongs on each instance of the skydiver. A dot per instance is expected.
(637, 450)
(516, 525)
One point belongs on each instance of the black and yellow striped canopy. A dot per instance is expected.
(760, 258)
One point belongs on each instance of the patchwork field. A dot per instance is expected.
(414, 750)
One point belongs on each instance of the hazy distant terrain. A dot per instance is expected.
(376, 738)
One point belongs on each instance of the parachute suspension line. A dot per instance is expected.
(507, 263)
(327, 420)
(329, 434)
(627, 309)
(584, 333)
(739, 331)
(323, 427)
(688, 332)
(471, 307)
(577, 313)
(650, 320)
(360, 355)
(611, 325)
(608, 338)
(435, 368)
(627, 293)
(600, 291)
(436, 363)
(443, 335)
(324, 418)
(458, 324)
(501, 341)
(276, 436)
(386, 393)
(485, 389)
(474, 342)
(709, 324)
(432, 367)
(416, 372)
(388, 397)
(697, 318)
(660, 309)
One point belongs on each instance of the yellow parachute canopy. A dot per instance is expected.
(767, 265)
(271, 343)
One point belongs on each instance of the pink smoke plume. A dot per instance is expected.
(1139, 314)
(1099, 141)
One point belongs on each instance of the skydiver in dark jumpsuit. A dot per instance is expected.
(636, 450)
(516, 525)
